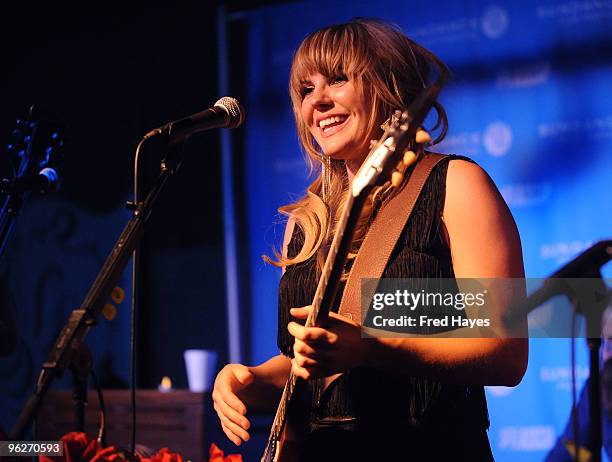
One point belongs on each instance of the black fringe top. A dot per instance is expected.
(363, 396)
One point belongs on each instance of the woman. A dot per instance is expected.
(414, 398)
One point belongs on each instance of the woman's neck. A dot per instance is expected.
(351, 169)
(353, 166)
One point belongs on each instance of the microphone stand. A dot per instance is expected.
(588, 301)
(10, 210)
(68, 345)
(80, 367)
(36, 144)
(581, 281)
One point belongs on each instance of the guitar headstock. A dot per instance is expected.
(397, 148)
(36, 143)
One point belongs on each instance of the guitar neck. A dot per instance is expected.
(336, 260)
(323, 299)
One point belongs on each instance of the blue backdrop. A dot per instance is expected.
(530, 102)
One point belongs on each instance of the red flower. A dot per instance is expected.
(216, 455)
(163, 455)
(78, 447)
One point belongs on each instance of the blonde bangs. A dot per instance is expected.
(333, 51)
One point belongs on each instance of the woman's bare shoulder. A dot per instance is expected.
(483, 236)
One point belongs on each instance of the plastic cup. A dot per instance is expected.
(201, 369)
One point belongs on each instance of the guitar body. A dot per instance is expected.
(290, 445)
(289, 449)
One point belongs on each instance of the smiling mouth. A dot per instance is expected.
(332, 125)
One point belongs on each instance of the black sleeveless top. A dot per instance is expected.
(368, 413)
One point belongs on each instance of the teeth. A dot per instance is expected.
(330, 120)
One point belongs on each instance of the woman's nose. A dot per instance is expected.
(320, 96)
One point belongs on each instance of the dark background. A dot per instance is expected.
(111, 73)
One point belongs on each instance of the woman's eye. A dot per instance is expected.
(305, 91)
(338, 79)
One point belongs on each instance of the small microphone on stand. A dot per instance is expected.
(46, 181)
(226, 113)
(586, 265)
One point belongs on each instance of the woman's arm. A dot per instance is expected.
(484, 243)
(269, 378)
(238, 388)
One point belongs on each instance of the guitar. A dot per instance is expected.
(388, 159)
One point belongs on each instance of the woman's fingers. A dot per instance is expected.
(321, 351)
(228, 398)
(232, 414)
(230, 435)
(302, 348)
(308, 372)
(230, 409)
(235, 429)
(233, 401)
(312, 335)
(304, 361)
(300, 371)
(300, 313)
(234, 425)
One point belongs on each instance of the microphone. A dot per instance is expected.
(47, 180)
(226, 113)
(586, 265)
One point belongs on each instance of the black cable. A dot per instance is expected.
(133, 353)
(102, 431)
(134, 307)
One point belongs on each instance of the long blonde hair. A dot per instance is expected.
(380, 61)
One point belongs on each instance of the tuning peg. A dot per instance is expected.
(409, 158)
(396, 178)
(422, 137)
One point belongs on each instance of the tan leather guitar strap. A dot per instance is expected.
(382, 237)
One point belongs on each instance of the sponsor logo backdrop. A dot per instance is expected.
(530, 102)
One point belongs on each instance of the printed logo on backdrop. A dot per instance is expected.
(575, 12)
(526, 195)
(525, 76)
(495, 140)
(467, 143)
(560, 252)
(527, 439)
(492, 24)
(561, 376)
(594, 128)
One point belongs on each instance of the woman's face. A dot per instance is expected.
(337, 116)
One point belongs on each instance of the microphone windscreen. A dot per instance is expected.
(235, 110)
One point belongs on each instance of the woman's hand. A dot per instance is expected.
(321, 352)
(232, 379)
